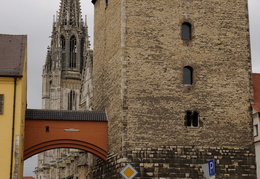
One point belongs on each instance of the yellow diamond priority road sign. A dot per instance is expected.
(128, 172)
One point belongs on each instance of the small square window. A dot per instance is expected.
(255, 130)
(1, 103)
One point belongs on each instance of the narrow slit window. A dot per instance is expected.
(1, 103)
(72, 100)
(186, 31)
(195, 119)
(188, 118)
(73, 52)
(47, 129)
(188, 75)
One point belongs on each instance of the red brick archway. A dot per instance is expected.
(50, 129)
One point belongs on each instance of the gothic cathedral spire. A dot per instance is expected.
(65, 59)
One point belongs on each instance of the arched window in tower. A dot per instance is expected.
(72, 100)
(73, 52)
(187, 75)
(186, 31)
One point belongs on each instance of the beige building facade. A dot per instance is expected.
(13, 88)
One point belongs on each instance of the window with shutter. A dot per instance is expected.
(1, 103)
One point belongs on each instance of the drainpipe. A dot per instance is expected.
(13, 125)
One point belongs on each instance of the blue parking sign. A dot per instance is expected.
(211, 165)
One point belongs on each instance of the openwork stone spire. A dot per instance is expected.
(70, 13)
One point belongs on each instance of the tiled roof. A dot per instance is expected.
(256, 88)
(65, 115)
(12, 51)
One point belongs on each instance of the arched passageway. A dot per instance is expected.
(50, 129)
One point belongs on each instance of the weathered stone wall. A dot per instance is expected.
(107, 67)
(219, 55)
(175, 162)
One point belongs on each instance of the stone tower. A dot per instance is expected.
(66, 57)
(174, 77)
(66, 85)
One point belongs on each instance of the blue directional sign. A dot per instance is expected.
(211, 166)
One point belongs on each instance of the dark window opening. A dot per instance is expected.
(73, 52)
(186, 31)
(72, 100)
(1, 103)
(63, 42)
(82, 43)
(106, 3)
(47, 129)
(192, 119)
(255, 130)
(187, 75)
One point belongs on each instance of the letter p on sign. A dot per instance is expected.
(211, 165)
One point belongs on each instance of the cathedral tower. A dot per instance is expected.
(66, 58)
(66, 85)
(174, 77)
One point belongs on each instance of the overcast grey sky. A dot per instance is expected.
(34, 18)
